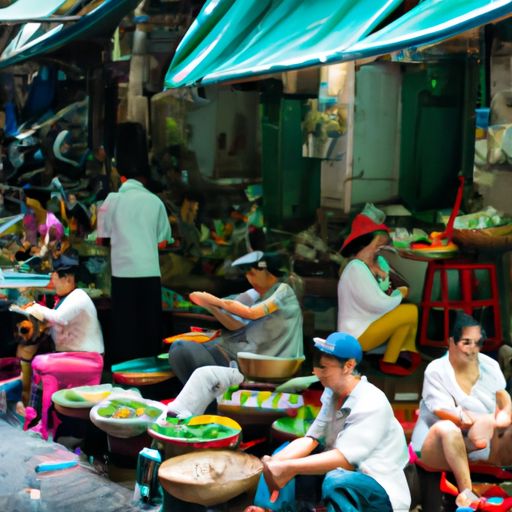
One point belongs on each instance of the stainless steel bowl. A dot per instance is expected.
(268, 368)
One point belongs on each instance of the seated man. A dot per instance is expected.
(363, 450)
(266, 319)
(465, 412)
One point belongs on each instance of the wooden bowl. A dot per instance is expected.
(210, 477)
(495, 239)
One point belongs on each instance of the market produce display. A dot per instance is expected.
(126, 414)
(124, 408)
(204, 431)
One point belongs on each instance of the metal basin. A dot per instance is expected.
(209, 477)
(267, 368)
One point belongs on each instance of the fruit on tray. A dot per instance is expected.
(126, 408)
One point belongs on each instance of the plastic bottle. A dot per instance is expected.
(323, 96)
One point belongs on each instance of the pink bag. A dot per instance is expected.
(59, 370)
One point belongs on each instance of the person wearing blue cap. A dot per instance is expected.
(355, 444)
(266, 319)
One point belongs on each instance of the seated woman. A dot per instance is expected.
(265, 319)
(73, 322)
(368, 306)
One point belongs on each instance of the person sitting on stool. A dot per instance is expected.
(465, 411)
(362, 453)
(265, 319)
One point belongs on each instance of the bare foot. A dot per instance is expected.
(479, 444)
(20, 409)
(466, 498)
(275, 474)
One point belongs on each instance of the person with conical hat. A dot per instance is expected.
(369, 307)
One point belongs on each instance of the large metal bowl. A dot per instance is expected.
(267, 368)
(210, 477)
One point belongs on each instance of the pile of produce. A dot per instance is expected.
(177, 429)
(124, 408)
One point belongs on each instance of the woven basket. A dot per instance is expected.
(499, 238)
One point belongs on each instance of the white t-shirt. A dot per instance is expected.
(361, 300)
(135, 220)
(369, 436)
(441, 391)
(276, 334)
(74, 323)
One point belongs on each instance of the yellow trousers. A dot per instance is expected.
(398, 328)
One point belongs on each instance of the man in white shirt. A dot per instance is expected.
(136, 222)
(363, 445)
(465, 412)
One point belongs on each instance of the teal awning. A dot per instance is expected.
(25, 9)
(236, 39)
(240, 38)
(35, 39)
(429, 22)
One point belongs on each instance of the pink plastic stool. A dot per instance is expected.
(61, 370)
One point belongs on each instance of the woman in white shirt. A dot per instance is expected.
(368, 306)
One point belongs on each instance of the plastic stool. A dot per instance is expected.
(467, 301)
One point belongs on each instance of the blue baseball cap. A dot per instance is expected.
(340, 345)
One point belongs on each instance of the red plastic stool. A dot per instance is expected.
(467, 301)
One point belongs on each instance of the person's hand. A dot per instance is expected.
(466, 420)
(35, 311)
(404, 290)
(205, 299)
(502, 418)
(197, 298)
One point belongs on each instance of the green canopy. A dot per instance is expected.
(29, 9)
(34, 39)
(236, 39)
(429, 22)
(240, 38)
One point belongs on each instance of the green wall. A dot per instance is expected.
(291, 183)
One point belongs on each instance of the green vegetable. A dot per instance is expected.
(152, 412)
(73, 396)
(194, 433)
(106, 412)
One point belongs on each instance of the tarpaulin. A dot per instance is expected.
(29, 9)
(34, 39)
(240, 38)
(429, 22)
(236, 39)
